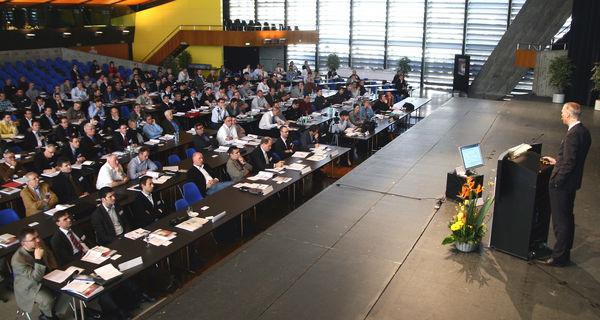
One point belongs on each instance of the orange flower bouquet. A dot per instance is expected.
(467, 226)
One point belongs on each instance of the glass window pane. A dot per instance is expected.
(405, 34)
(302, 13)
(271, 11)
(241, 9)
(334, 31)
(368, 33)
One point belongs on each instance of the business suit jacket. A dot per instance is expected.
(64, 189)
(119, 141)
(45, 122)
(279, 147)
(136, 136)
(41, 163)
(33, 204)
(307, 141)
(145, 212)
(66, 152)
(103, 226)
(30, 142)
(7, 173)
(258, 161)
(168, 127)
(110, 125)
(87, 146)
(568, 170)
(62, 248)
(24, 125)
(28, 276)
(64, 135)
(194, 175)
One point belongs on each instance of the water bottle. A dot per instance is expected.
(176, 137)
(251, 115)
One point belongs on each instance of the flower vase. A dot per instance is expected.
(466, 246)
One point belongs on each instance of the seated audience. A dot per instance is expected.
(219, 113)
(72, 152)
(8, 129)
(135, 134)
(237, 167)
(37, 196)
(227, 133)
(69, 185)
(75, 114)
(148, 206)
(90, 142)
(45, 162)
(203, 176)
(10, 169)
(64, 130)
(48, 120)
(107, 219)
(111, 174)
(170, 124)
(262, 157)
(138, 166)
(151, 129)
(283, 146)
(113, 122)
(30, 262)
(120, 138)
(203, 142)
(34, 138)
(309, 138)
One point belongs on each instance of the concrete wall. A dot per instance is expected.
(66, 54)
(541, 76)
(537, 22)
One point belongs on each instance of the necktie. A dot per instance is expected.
(75, 242)
(124, 139)
(75, 186)
(51, 120)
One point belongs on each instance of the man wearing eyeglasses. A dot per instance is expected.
(10, 169)
(30, 263)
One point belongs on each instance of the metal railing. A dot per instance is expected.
(177, 29)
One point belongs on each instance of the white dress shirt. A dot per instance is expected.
(225, 132)
(108, 175)
(262, 87)
(259, 103)
(75, 250)
(218, 115)
(269, 121)
(205, 173)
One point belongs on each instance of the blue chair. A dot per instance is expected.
(16, 149)
(276, 156)
(173, 159)
(191, 194)
(189, 152)
(8, 216)
(125, 112)
(158, 164)
(180, 204)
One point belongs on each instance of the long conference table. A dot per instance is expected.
(218, 204)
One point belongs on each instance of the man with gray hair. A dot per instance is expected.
(45, 162)
(37, 196)
(565, 180)
(111, 174)
(90, 142)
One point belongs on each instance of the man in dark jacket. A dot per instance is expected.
(148, 206)
(107, 220)
(69, 185)
(565, 180)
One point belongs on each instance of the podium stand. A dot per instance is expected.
(522, 206)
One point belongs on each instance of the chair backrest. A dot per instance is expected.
(180, 204)
(158, 164)
(8, 216)
(125, 112)
(190, 152)
(173, 159)
(191, 194)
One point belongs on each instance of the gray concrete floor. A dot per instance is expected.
(363, 249)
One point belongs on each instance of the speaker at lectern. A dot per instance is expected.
(522, 206)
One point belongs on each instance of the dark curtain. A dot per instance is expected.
(584, 49)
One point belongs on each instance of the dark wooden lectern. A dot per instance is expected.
(522, 206)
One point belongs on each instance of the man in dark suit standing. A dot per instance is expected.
(148, 206)
(283, 147)
(107, 219)
(69, 185)
(565, 180)
(261, 158)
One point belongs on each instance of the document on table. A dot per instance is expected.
(51, 174)
(192, 224)
(98, 254)
(281, 180)
(136, 234)
(108, 272)
(300, 154)
(59, 207)
(171, 168)
(262, 175)
(316, 157)
(131, 264)
(295, 166)
(59, 276)
(161, 180)
(88, 163)
(222, 149)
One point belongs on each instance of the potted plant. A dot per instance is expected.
(561, 69)
(467, 227)
(170, 62)
(404, 66)
(333, 61)
(184, 59)
(596, 79)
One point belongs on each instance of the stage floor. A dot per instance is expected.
(362, 249)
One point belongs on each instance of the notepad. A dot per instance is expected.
(108, 272)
